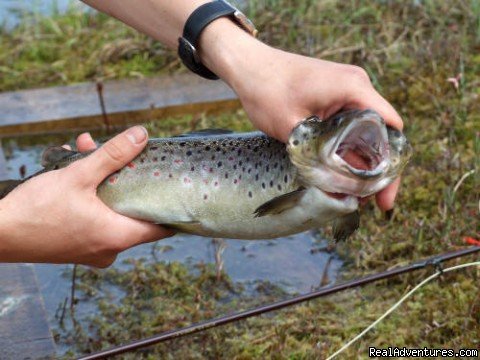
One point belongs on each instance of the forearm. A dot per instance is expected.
(161, 19)
(223, 47)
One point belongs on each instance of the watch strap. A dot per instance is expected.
(196, 23)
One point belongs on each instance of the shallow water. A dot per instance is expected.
(11, 11)
(286, 262)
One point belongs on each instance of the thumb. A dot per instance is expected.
(114, 154)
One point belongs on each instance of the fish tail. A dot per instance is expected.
(7, 186)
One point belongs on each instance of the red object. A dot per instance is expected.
(471, 241)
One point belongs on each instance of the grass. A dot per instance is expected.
(410, 49)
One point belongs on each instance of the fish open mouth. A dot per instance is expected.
(364, 149)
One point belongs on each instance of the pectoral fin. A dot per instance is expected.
(280, 203)
(184, 226)
(345, 226)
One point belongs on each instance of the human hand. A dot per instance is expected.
(57, 217)
(279, 89)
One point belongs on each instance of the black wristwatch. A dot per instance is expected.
(197, 21)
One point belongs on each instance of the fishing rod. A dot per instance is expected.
(434, 261)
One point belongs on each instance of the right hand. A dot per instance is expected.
(57, 217)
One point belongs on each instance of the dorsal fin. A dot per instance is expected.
(205, 132)
(55, 154)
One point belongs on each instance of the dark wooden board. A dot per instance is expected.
(77, 107)
(24, 330)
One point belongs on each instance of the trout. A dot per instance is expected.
(250, 186)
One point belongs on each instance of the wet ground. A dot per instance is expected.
(287, 262)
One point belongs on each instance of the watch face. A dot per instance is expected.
(245, 22)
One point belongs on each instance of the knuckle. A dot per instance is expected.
(114, 151)
(358, 73)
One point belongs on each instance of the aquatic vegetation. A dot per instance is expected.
(423, 57)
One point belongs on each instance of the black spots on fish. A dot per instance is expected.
(250, 195)
(231, 143)
(226, 175)
(182, 144)
(188, 153)
(207, 148)
(249, 170)
(255, 149)
(256, 177)
(155, 159)
(199, 151)
(295, 142)
(285, 179)
(153, 148)
(247, 159)
(235, 167)
(263, 185)
(235, 181)
(192, 168)
(249, 147)
(205, 197)
(239, 177)
(219, 164)
(271, 183)
(243, 169)
(267, 168)
(279, 187)
(240, 163)
(284, 156)
(275, 165)
(224, 152)
(163, 158)
(281, 167)
(170, 176)
(239, 152)
(218, 149)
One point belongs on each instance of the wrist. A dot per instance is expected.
(226, 50)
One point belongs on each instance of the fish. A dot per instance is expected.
(217, 183)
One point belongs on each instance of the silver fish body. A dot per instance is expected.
(250, 186)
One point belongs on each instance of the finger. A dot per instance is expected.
(68, 147)
(85, 143)
(386, 197)
(373, 100)
(113, 155)
(135, 232)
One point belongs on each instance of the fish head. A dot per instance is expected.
(352, 152)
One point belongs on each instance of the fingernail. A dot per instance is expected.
(137, 134)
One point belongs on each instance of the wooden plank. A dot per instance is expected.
(3, 165)
(127, 102)
(24, 329)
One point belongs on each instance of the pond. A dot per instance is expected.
(293, 263)
(11, 11)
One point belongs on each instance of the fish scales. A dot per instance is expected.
(183, 181)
